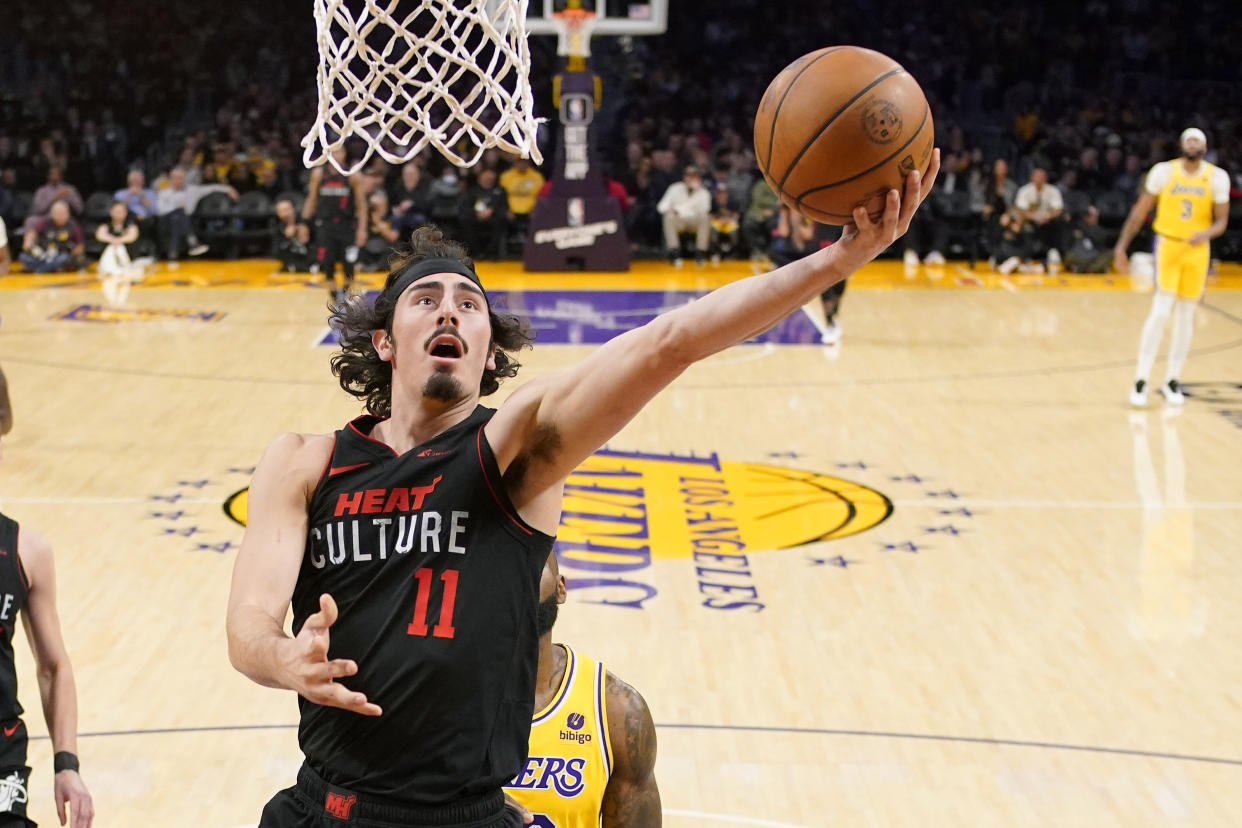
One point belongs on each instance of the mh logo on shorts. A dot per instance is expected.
(338, 804)
(12, 792)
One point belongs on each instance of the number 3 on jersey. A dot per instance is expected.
(542, 821)
(444, 627)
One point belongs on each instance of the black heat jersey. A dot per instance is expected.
(336, 199)
(12, 599)
(437, 581)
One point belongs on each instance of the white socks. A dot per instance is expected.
(1153, 331)
(1179, 346)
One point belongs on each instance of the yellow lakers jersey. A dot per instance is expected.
(1183, 201)
(570, 758)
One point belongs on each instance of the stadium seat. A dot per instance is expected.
(1076, 203)
(255, 216)
(215, 223)
(95, 213)
(1114, 206)
(962, 224)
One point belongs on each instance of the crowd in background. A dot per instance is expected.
(191, 116)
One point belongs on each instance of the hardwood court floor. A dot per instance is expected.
(1026, 612)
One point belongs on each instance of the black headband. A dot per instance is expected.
(416, 270)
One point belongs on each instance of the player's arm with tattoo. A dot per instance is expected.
(632, 798)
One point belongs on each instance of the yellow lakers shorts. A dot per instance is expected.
(1181, 267)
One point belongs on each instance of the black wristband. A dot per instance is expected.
(64, 760)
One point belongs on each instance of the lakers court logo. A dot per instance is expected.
(623, 511)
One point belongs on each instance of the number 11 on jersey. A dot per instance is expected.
(444, 627)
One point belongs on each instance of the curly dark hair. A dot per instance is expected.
(358, 367)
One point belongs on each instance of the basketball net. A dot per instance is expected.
(456, 79)
(574, 26)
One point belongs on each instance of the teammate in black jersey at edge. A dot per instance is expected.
(410, 543)
(28, 587)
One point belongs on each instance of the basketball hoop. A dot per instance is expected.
(449, 74)
(573, 28)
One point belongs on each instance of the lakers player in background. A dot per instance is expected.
(592, 741)
(1191, 197)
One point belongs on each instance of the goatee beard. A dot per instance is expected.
(1193, 156)
(545, 616)
(442, 387)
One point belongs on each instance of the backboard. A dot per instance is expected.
(612, 17)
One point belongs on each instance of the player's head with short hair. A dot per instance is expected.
(1193, 143)
(359, 367)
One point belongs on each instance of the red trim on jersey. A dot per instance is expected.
(335, 470)
(21, 570)
(323, 475)
(372, 439)
(478, 439)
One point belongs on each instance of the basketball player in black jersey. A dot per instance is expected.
(28, 586)
(338, 205)
(410, 543)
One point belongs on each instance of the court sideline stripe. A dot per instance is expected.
(792, 731)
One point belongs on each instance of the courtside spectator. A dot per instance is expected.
(485, 217)
(56, 189)
(521, 183)
(686, 208)
(54, 243)
(291, 238)
(410, 199)
(176, 204)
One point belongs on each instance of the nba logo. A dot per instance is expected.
(577, 109)
(577, 212)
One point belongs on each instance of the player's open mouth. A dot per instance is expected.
(447, 346)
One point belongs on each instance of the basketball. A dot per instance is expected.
(840, 127)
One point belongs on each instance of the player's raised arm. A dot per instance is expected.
(552, 424)
(264, 576)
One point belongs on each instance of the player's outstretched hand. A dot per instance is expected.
(864, 239)
(72, 796)
(313, 675)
